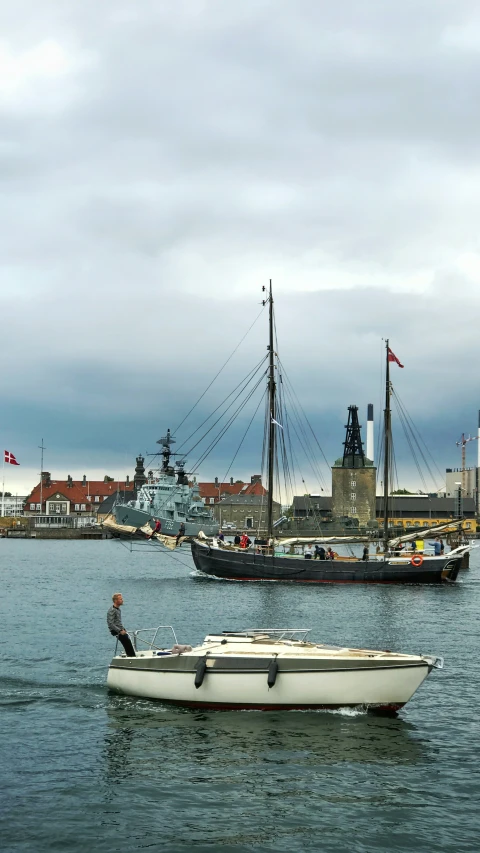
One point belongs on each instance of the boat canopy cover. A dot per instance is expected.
(449, 527)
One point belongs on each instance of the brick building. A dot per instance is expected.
(246, 511)
(212, 493)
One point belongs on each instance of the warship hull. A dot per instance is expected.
(131, 517)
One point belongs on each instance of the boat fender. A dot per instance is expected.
(417, 560)
(201, 669)
(272, 672)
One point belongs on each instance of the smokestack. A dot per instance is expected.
(478, 446)
(370, 435)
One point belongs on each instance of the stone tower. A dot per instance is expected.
(139, 478)
(354, 477)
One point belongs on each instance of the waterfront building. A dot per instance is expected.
(405, 512)
(212, 493)
(245, 511)
(70, 498)
(12, 505)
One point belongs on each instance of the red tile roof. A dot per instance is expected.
(213, 490)
(76, 493)
(70, 493)
(98, 487)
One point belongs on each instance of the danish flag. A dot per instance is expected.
(393, 357)
(10, 458)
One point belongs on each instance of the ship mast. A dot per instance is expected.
(387, 451)
(271, 415)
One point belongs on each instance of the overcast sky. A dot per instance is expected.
(160, 161)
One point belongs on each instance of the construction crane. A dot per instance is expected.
(462, 443)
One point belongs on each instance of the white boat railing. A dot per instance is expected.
(276, 633)
(150, 644)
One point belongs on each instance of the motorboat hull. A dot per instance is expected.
(241, 684)
(249, 566)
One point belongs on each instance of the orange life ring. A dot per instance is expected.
(417, 560)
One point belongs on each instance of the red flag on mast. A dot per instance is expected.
(10, 458)
(393, 357)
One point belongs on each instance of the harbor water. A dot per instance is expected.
(82, 769)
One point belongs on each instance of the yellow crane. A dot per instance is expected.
(462, 443)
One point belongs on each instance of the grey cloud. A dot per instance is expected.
(187, 152)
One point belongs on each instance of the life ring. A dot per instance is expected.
(417, 560)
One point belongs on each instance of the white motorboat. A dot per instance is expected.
(266, 669)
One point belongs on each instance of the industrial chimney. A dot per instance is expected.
(478, 445)
(370, 435)
(477, 472)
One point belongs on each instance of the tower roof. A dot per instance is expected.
(353, 455)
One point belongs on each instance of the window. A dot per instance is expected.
(97, 499)
(32, 506)
(353, 509)
(353, 496)
(212, 500)
(53, 506)
(353, 483)
(77, 507)
(249, 523)
(468, 525)
(83, 507)
(39, 507)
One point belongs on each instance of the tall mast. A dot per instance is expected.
(42, 448)
(271, 410)
(387, 442)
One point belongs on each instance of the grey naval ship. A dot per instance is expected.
(168, 497)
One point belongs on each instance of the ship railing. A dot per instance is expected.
(298, 634)
(151, 639)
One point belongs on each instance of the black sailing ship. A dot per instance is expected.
(215, 559)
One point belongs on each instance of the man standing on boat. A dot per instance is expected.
(181, 532)
(114, 623)
(245, 540)
(157, 528)
(436, 546)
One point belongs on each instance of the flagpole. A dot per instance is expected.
(3, 486)
(42, 448)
